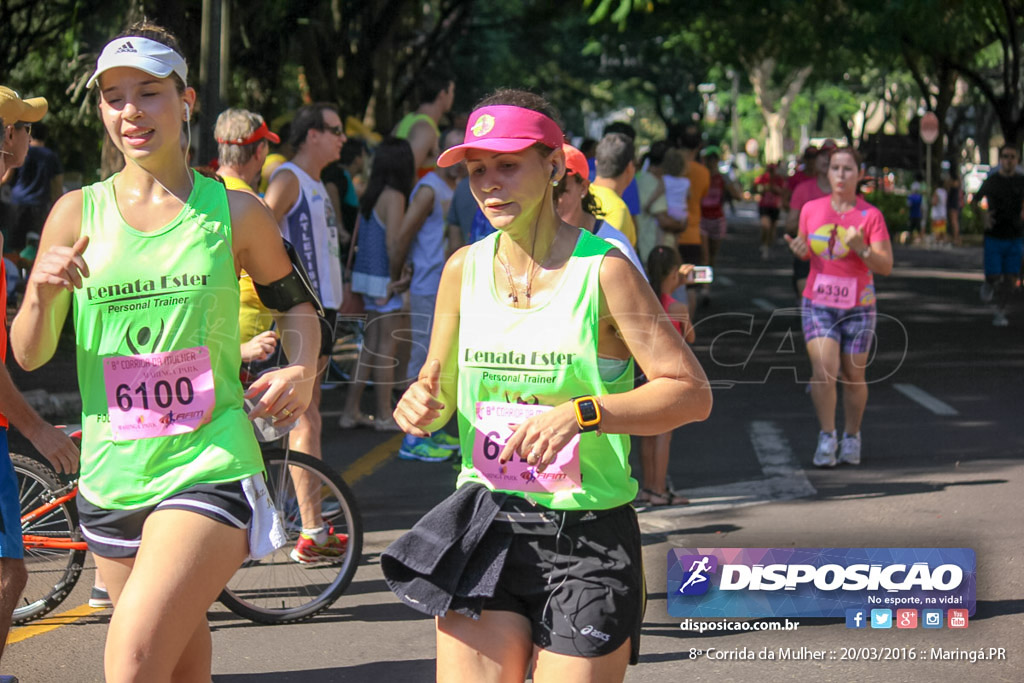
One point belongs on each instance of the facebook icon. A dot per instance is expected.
(856, 618)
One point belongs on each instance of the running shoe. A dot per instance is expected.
(849, 449)
(100, 599)
(825, 456)
(424, 450)
(986, 293)
(307, 551)
(1000, 319)
(443, 439)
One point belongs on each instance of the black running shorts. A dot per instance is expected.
(118, 533)
(581, 583)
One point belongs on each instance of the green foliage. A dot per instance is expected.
(894, 209)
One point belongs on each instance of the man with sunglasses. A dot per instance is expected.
(18, 115)
(1004, 231)
(53, 444)
(299, 201)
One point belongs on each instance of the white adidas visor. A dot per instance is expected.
(143, 54)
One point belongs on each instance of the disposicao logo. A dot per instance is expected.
(817, 582)
(696, 579)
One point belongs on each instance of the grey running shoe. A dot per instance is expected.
(849, 450)
(825, 456)
(1000, 320)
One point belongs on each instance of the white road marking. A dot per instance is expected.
(784, 479)
(922, 397)
(763, 304)
(724, 280)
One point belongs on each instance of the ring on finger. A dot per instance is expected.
(287, 413)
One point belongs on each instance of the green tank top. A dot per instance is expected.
(403, 129)
(171, 290)
(411, 119)
(543, 355)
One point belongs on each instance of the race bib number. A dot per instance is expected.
(493, 432)
(158, 394)
(835, 291)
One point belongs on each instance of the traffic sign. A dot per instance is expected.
(929, 128)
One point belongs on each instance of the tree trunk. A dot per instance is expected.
(775, 102)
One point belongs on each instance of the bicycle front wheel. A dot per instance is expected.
(278, 589)
(52, 572)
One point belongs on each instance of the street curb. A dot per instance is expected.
(55, 407)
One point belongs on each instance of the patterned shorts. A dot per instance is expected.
(853, 328)
(714, 228)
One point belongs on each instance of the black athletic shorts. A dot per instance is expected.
(771, 211)
(118, 533)
(580, 581)
(327, 326)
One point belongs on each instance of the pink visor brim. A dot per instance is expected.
(454, 155)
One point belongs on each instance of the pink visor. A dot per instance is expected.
(503, 128)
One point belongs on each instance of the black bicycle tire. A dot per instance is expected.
(47, 478)
(334, 590)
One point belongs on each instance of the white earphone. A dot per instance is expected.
(188, 112)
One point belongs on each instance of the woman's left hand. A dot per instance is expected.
(286, 395)
(541, 437)
(855, 239)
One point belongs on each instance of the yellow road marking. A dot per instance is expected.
(370, 462)
(50, 623)
(366, 465)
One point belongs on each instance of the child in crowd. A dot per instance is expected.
(665, 272)
(677, 186)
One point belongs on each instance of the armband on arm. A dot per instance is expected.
(291, 290)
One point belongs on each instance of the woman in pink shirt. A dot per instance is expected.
(846, 241)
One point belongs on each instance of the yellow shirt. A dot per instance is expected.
(616, 213)
(700, 182)
(253, 316)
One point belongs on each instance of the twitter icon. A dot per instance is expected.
(881, 618)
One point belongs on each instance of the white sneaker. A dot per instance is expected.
(1000, 320)
(849, 449)
(825, 456)
(986, 293)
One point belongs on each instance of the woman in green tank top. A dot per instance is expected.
(535, 331)
(150, 260)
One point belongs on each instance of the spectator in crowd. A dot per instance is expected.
(53, 444)
(688, 140)
(307, 219)
(915, 213)
(614, 168)
(435, 90)
(666, 273)
(422, 239)
(38, 183)
(576, 206)
(381, 212)
(713, 224)
(340, 179)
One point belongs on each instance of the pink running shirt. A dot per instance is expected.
(839, 278)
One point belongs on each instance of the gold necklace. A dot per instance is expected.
(513, 292)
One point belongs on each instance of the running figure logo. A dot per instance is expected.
(696, 580)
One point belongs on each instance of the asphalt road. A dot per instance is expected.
(942, 468)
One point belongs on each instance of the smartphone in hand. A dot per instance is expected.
(701, 275)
